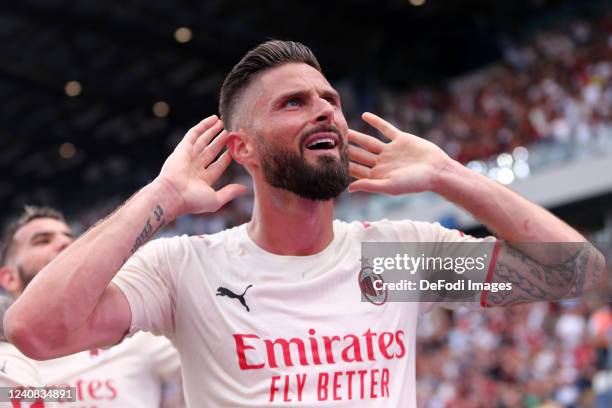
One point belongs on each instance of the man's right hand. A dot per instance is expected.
(71, 305)
(191, 170)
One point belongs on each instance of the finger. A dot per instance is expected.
(366, 141)
(370, 185)
(229, 192)
(193, 133)
(359, 171)
(215, 170)
(211, 151)
(204, 139)
(362, 156)
(382, 125)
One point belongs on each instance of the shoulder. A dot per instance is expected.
(15, 368)
(391, 230)
(223, 238)
(7, 349)
(147, 343)
(183, 244)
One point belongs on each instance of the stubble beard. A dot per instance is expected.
(288, 170)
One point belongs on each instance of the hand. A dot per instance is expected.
(407, 164)
(190, 171)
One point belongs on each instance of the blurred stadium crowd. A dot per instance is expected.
(540, 355)
(554, 88)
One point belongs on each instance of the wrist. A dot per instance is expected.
(168, 197)
(446, 178)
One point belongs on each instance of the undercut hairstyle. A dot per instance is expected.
(30, 212)
(265, 56)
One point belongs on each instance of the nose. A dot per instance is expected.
(325, 111)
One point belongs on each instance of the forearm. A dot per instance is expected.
(561, 278)
(542, 256)
(510, 216)
(64, 294)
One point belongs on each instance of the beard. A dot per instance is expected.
(285, 169)
(25, 276)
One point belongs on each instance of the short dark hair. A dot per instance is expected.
(267, 55)
(30, 212)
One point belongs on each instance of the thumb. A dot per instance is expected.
(229, 192)
(369, 185)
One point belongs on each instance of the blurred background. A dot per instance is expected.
(95, 94)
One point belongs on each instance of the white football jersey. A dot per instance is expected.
(255, 329)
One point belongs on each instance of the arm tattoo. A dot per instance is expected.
(591, 264)
(569, 270)
(148, 230)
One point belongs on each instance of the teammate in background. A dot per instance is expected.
(130, 374)
(15, 368)
(269, 313)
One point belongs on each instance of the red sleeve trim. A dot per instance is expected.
(492, 264)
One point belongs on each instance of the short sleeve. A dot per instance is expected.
(420, 231)
(434, 237)
(146, 282)
(490, 245)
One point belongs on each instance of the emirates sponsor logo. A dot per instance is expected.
(92, 391)
(317, 350)
(363, 382)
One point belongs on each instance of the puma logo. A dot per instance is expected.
(221, 291)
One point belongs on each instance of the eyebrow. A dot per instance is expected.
(332, 92)
(49, 233)
(303, 93)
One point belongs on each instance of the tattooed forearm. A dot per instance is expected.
(506, 298)
(590, 272)
(550, 271)
(149, 229)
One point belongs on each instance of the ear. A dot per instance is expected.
(10, 280)
(240, 148)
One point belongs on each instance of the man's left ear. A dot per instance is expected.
(10, 280)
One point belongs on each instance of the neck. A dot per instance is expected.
(286, 224)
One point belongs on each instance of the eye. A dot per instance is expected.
(293, 102)
(41, 241)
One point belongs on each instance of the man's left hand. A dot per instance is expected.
(406, 164)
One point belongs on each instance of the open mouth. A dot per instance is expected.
(322, 144)
(322, 141)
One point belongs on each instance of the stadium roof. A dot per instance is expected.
(96, 93)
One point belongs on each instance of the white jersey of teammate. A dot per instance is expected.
(16, 369)
(256, 329)
(130, 374)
